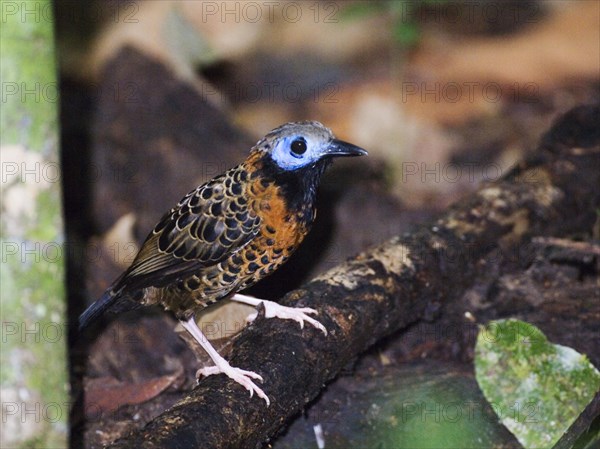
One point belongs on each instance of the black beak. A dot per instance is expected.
(341, 148)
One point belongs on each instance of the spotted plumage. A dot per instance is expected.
(229, 233)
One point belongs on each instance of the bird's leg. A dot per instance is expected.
(274, 310)
(242, 377)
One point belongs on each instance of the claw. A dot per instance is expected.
(241, 376)
(298, 314)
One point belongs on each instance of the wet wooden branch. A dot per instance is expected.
(384, 290)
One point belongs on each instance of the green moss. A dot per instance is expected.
(28, 75)
(33, 364)
(536, 388)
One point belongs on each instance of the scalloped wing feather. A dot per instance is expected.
(208, 225)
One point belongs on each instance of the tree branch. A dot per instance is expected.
(384, 290)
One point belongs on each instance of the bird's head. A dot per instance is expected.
(308, 144)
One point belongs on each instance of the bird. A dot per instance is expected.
(227, 234)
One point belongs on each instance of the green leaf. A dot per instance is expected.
(536, 388)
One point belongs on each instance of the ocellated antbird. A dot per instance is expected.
(229, 233)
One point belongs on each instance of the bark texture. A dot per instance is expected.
(385, 289)
(33, 355)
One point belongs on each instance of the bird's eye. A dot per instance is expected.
(298, 146)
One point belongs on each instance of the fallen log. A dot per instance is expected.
(386, 289)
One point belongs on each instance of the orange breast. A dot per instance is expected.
(281, 232)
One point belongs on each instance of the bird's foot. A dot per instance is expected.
(241, 376)
(274, 310)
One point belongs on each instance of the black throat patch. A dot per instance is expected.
(298, 187)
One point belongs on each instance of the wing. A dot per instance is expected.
(208, 225)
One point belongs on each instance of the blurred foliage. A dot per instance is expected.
(406, 29)
(426, 405)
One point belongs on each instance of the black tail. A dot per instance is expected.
(93, 312)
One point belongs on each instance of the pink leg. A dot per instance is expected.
(240, 376)
(274, 310)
